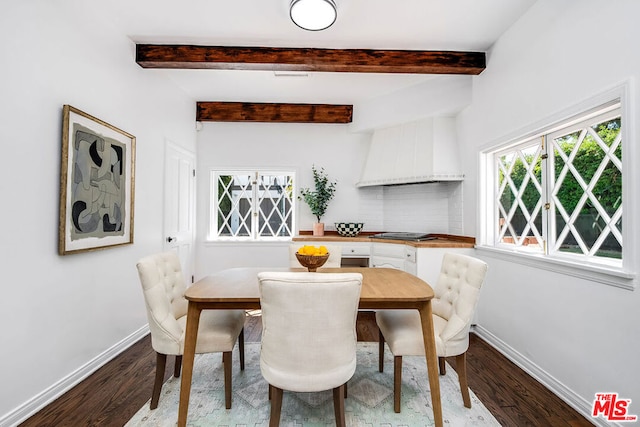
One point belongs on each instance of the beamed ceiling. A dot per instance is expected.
(249, 52)
(299, 59)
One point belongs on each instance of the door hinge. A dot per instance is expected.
(194, 173)
(193, 279)
(544, 156)
(547, 206)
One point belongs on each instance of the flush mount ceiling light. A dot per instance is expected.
(313, 15)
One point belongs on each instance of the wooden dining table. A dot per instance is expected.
(237, 288)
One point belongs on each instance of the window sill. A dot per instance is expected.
(231, 242)
(597, 273)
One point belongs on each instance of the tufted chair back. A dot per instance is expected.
(335, 256)
(308, 334)
(456, 296)
(309, 329)
(163, 288)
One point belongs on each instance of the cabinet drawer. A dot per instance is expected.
(349, 250)
(352, 250)
(389, 250)
(386, 262)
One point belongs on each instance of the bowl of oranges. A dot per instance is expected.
(312, 257)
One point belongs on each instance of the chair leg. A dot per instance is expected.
(226, 360)
(241, 348)
(276, 406)
(345, 390)
(338, 405)
(397, 383)
(161, 361)
(380, 351)
(461, 368)
(443, 367)
(177, 367)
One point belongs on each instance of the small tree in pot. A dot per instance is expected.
(318, 200)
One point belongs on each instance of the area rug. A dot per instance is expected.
(369, 402)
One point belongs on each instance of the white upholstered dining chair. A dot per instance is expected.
(308, 334)
(163, 287)
(334, 260)
(455, 297)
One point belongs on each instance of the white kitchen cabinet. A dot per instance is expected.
(424, 262)
(391, 255)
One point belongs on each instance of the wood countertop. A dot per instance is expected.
(441, 241)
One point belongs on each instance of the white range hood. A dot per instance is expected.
(414, 152)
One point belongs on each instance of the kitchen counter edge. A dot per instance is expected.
(442, 240)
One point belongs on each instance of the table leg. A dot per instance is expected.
(428, 337)
(191, 335)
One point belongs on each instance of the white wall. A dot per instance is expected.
(438, 97)
(579, 336)
(286, 146)
(60, 313)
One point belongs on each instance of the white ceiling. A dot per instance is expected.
(463, 25)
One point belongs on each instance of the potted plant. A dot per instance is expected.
(318, 200)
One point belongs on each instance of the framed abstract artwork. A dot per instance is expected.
(96, 184)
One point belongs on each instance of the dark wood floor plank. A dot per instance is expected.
(108, 397)
(513, 396)
(114, 393)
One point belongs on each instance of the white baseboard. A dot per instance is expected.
(33, 405)
(570, 397)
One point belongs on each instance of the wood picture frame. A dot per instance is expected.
(97, 183)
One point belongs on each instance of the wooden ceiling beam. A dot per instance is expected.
(273, 112)
(309, 59)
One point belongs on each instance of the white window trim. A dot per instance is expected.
(212, 239)
(626, 276)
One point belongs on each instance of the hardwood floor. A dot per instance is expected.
(114, 393)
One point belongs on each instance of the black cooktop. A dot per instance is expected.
(414, 237)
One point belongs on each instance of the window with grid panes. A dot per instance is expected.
(560, 193)
(252, 205)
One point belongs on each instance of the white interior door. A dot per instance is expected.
(179, 205)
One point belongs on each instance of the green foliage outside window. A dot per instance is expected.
(585, 189)
(608, 189)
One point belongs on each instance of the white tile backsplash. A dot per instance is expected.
(371, 208)
(455, 208)
(429, 208)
